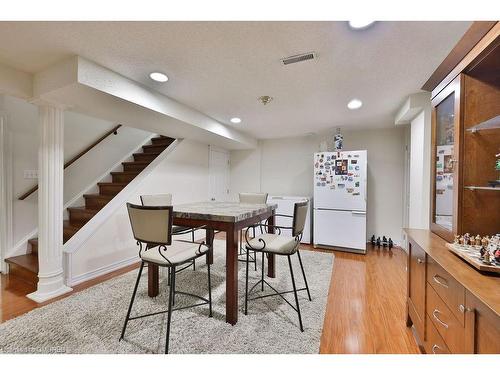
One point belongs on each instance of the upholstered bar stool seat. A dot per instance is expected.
(274, 244)
(179, 252)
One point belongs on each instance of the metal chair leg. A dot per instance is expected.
(132, 301)
(304, 274)
(169, 278)
(169, 315)
(194, 264)
(255, 259)
(246, 283)
(172, 286)
(209, 292)
(262, 278)
(295, 293)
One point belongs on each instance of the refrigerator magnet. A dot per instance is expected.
(351, 179)
(323, 184)
(318, 183)
(350, 190)
(356, 184)
(356, 193)
(356, 167)
(354, 161)
(341, 186)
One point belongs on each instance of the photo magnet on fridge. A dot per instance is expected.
(341, 186)
(354, 161)
(350, 190)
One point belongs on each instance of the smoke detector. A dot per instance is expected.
(298, 58)
(265, 99)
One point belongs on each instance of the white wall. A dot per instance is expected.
(184, 173)
(284, 166)
(80, 131)
(420, 169)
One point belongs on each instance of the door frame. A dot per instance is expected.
(211, 150)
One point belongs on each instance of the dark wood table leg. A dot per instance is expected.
(232, 275)
(153, 280)
(271, 268)
(210, 241)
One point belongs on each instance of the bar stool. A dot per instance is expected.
(275, 243)
(251, 198)
(152, 228)
(177, 230)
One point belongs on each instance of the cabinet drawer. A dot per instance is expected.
(434, 343)
(450, 291)
(451, 330)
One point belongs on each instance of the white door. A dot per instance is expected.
(218, 174)
(340, 228)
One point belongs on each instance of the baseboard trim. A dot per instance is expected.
(87, 276)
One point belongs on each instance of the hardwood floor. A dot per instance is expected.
(365, 312)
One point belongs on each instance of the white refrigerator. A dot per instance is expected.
(340, 190)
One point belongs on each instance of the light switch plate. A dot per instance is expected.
(31, 174)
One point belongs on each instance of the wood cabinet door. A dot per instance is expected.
(446, 165)
(482, 327)
(416, 286)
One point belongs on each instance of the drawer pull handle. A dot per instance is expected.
(464, 309)
(434, 314)
(434, 347)
(420, 260)
(443, 283)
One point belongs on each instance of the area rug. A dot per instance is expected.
(91, 321)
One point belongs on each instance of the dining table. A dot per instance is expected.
(228, 217)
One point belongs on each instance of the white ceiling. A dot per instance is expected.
(220, 68)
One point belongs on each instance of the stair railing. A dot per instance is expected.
(75, 158)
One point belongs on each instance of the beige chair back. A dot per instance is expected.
(253, 198)
(299, 217)
(157, 200)
(151, 224)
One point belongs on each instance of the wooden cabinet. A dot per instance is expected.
(452, 307)
(446, 161)
(416, 287)
(482, 327)
(463, 150)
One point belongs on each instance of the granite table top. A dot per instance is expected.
(221, 211)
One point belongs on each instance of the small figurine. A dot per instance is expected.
(477, 240)
(378, 241)
(487, 257)
(485, 241)
(384, 241)
(372, 240)
(466, 238)
(391, 244)
(461, 240)
(457, 239)
(482, 251)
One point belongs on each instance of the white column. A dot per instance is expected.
(3, 192)
(50, 205)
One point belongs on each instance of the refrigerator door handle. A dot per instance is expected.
(361, 213)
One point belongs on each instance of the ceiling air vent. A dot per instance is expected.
(298, 58)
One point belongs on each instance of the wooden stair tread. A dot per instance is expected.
(97, 196)
(125, 172)
(112, 183)
(83, 208)
(27, 261)
(33, 241)
(145, 163)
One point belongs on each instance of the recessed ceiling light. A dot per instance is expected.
(358, 25)
(354, 104)
(158, 77)
(235, 120)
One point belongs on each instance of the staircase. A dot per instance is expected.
(26, 266)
